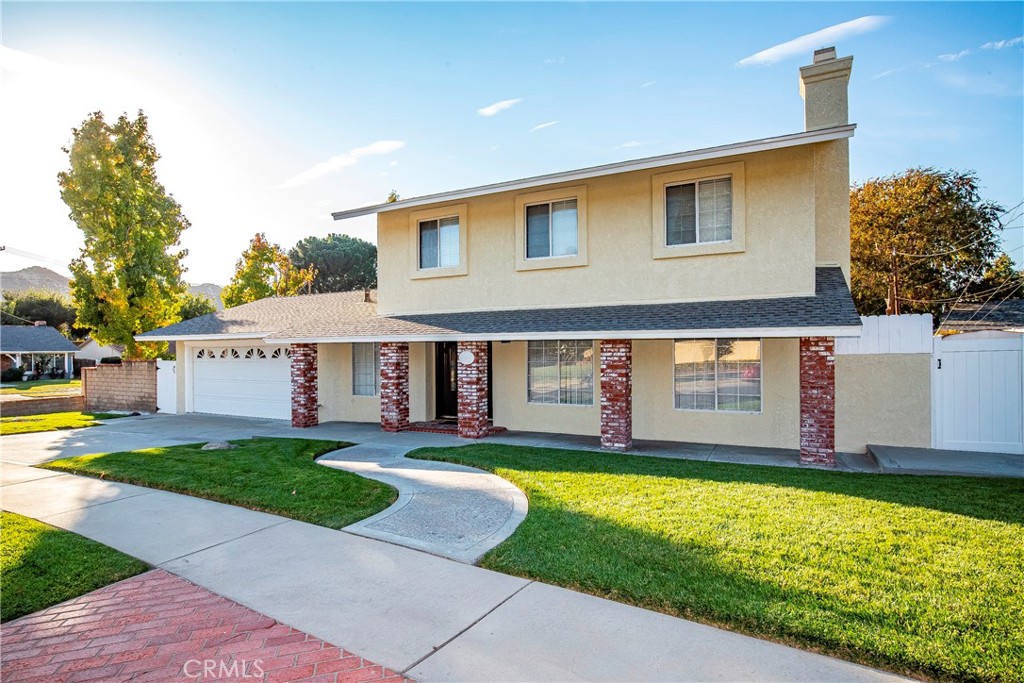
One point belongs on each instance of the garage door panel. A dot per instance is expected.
(226, 382)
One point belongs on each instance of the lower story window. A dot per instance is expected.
(366, 369)
(718, 374)
(560, 372)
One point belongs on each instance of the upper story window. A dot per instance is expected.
(439, 243)
(698, 212)
(552, 229)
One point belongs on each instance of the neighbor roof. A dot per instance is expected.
(33, 339)
(995, 315)
(705, 154)
(344, 317)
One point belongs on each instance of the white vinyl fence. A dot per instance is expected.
(978, 392)
(166, 386)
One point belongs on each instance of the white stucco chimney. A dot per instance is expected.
(824, 85)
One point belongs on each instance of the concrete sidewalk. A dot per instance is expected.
(424, 616)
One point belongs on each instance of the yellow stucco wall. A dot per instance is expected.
(334, 384)
(778, 260)
(776, 426)
(512, 410)
(883, 399)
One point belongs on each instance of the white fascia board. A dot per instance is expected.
(203, 337)
(744, 333)
(708, 153)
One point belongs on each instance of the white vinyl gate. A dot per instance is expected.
(978, 392)
(166, 386)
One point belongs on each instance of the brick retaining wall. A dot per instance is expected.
(128, 386)
(40, 406)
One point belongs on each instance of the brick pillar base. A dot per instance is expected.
(304, 386)
(473, 390)
(394, 386)
(817, 400)
(616, 394)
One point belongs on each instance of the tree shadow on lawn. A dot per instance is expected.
(996, 499)
(876, 615)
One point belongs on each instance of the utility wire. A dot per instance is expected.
(993, 309)
(18, 317)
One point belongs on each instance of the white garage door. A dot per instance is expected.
(242, 380)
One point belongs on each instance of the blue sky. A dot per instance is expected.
(269, 116)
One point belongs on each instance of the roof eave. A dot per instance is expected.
(708, 153)
(200, 337)
(741, 333)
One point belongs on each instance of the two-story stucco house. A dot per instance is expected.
(688, 297)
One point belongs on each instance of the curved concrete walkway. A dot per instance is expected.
(449, 510)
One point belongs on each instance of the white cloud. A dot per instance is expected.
(554, 60)
(498, 107)
(631, 143)
(542, 126)
(812, 41)
(340, 161)
(889, 72)
(953, 57)
(648, 84)
(1002, 44)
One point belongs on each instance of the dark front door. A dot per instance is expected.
(447, 380)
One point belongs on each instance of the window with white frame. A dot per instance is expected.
(365, 369)
(699, 212)
(718, 374)
(560, 372)
(552, 229)
(439, 243)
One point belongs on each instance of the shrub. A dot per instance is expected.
(12, 375)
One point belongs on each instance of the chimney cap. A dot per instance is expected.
(825, 54)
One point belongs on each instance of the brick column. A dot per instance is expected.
(305, 395)
(616, 394)
(394, 386)
(473, 390)
(817, 400)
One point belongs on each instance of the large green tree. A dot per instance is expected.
(920, 240)
(127, 279)
(342, 263)
(56, 309)
(264, 270)
(195, 305)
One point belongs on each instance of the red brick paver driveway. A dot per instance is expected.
(158, 627)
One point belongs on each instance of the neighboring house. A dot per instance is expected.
(90, 349)
(688, 297)
(1005, 316)
(37, 348)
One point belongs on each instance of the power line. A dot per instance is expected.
(993, 309)
(31, 322)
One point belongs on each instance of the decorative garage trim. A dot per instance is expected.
(246, 380)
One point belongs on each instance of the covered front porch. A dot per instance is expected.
(620, 391)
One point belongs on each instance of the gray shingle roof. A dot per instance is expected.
(344, 315)
(995, 315)
(32, 339)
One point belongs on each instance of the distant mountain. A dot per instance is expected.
(34, 278)
(210, 291)
(37, 278)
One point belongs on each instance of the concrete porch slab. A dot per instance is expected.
(901, 460)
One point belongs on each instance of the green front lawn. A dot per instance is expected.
(41, 565)
(917, 574)
(270, 475)
(44, 387)
(49, 422)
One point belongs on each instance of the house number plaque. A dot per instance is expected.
(466, 358)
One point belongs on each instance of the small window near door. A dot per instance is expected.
(366, 369)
